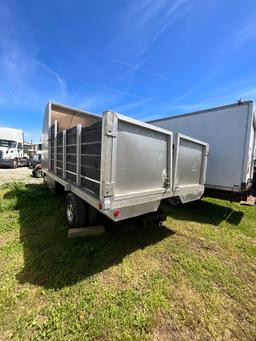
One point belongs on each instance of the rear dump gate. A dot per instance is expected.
(117, 163)
(190, 167)
(143, 153)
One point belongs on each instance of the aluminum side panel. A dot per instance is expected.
(189, 163)
(141, 159)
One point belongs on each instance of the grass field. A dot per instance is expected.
(192, 279)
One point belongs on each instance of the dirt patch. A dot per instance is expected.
(7, 237)
(22, 174)
(171, 332)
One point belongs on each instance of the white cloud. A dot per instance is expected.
(25, 81)
(245, 34)
(133, 105)
(114, 90)
(145, 22)
(136, 67)
(131, 67)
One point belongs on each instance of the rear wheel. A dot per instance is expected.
(39, 173)
(76, 211)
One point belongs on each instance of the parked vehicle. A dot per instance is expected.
(116, 165)
(12, 148)
(37, 171)
(230, 132)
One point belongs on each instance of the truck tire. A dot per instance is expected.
(76, 211)
(38, 173)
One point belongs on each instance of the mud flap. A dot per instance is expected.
(192, 196)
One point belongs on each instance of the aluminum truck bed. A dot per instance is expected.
(118, 164)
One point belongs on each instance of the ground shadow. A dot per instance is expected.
(51, 259)
(204, 212)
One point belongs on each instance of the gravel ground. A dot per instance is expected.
(22, 174)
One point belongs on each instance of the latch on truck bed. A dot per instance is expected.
(109, 188)
(110, 128)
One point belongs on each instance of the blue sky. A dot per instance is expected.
(144, 58)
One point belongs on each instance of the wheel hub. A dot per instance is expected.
(70, 212)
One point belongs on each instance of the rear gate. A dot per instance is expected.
(141, 159)
(136, 166)
(190, 168)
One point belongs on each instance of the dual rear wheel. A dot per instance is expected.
(79, 213)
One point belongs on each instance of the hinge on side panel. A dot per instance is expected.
(109, 189)
(207, 151)
(110, 126)
(167, 182)
(166, 179)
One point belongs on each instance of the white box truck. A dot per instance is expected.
(116, 165)
(230, 132)
(12, 153)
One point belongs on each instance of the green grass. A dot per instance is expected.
(192, 279)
